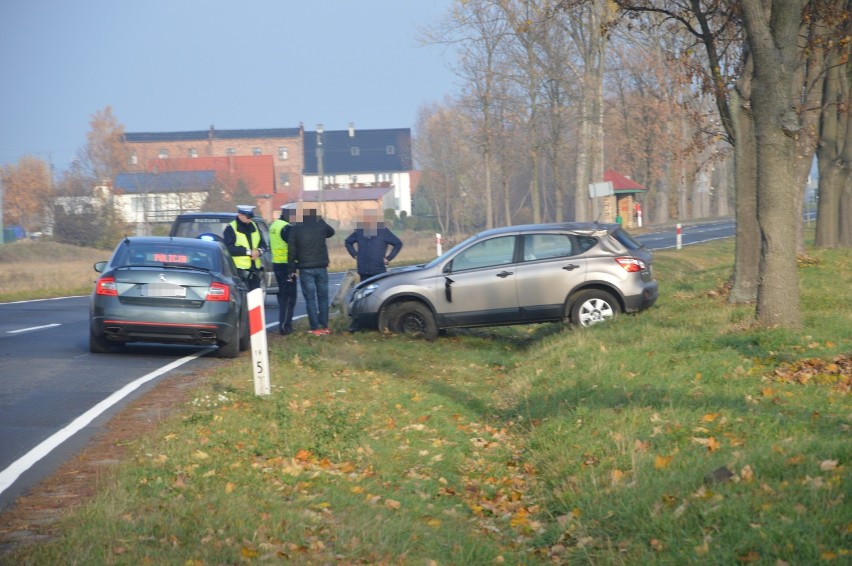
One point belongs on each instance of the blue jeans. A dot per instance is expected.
(315, 290)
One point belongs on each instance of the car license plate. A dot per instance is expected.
(163, 290)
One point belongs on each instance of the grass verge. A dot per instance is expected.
(679, 436)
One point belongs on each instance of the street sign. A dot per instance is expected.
(603, 189)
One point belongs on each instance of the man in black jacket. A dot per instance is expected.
(307, 253)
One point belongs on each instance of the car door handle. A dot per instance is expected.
(570, 267)
(504, 274)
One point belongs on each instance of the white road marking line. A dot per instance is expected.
(33, 328)
(25, 462)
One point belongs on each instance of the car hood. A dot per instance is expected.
(391, 273)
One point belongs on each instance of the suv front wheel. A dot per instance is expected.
(593, 307)
(411, 319)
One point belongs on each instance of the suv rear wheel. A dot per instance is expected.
(593, 307)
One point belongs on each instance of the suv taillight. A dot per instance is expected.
(218, 292)
(106, 286)
(630, 264)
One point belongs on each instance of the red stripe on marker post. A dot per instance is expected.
(255, 321)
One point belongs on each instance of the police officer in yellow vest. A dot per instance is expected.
(246, 244)
(278, 232)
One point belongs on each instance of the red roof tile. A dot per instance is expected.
(622, 183)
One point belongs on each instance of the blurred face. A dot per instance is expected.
(369, 219)
(244, 218)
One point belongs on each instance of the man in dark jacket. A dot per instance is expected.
(307, 253)
(369, 243)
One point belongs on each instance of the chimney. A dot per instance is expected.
(351, 129)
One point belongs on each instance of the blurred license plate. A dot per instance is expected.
(163, 290)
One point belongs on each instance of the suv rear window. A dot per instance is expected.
(626, 240)
(195, 226)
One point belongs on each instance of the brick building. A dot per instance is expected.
(284, 145)
(280, 166)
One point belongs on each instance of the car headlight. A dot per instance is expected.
(365, 292)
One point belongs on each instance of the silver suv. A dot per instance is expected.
(582, 273)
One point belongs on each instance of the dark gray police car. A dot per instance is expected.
(169, 290)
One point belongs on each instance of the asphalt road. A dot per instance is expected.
(55, 395)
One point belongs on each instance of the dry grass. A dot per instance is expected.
(417, 247)
(39, 270)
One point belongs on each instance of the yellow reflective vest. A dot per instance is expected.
(276, 242)
(245, 261)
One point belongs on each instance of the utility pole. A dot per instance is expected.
(320, 172)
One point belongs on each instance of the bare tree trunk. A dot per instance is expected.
(722, 184)
(772, 28)
(845, 215)
(507, 201)
(489, 198)
(594, 66)
(747, 251)
(535, 190)
(661, 202)
(834, 153)
(582, 208)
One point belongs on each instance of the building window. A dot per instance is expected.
(134, 159)
(282, 152)
(256, 151)
(193, 152)
(231, 151)
(284, 179)
(163, 154)
(390, 150)
(354, 151)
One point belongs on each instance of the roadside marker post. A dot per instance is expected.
(259, 351)
(679, 236)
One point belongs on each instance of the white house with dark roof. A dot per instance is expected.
(159, 197)
(361, 159)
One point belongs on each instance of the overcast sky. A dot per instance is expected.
(181, 65)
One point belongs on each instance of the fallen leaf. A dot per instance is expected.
(828, 465)
(749, 557)
(662, 462)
